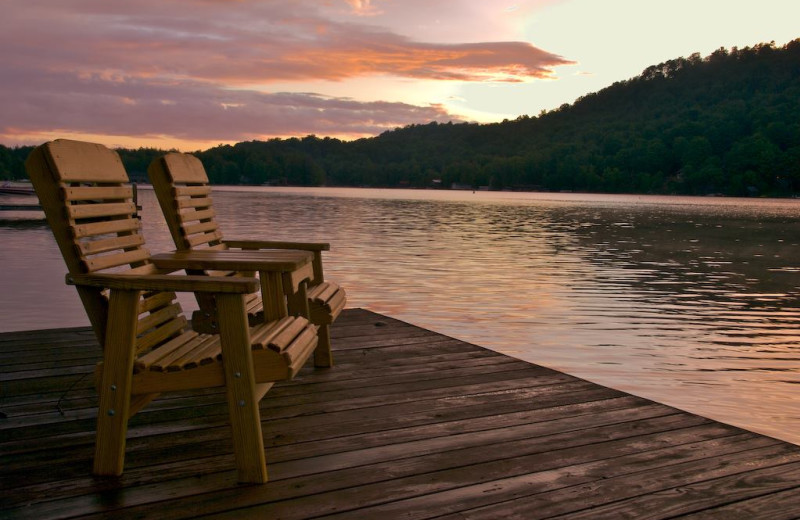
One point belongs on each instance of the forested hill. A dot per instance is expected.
(727, 123)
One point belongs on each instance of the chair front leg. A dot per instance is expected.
(115, 386)
(323, 357)
(319, 276)
(297, 301)
(273, 297)
(240, 383)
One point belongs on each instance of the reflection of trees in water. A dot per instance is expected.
(716, 258)
(22, 223)
(675, 260)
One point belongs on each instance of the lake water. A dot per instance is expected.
(694, 302)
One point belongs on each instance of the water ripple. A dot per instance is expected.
(694, 302)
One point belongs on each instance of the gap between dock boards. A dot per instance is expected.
(409, 423)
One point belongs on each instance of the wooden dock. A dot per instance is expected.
(409, 424)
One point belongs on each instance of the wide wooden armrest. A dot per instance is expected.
(273, 244)
(166, 282)
(234, 260)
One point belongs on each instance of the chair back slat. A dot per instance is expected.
(98, 192)
(91, 209)
(183, 192)
(123, 259)
(196, 215)
(190, 191)
(153, 301)
(88, 201)
(130, 225)
(200, 227)
(195, 202)
(85, 162)
(104, 245)
(185, 169)
(212, 238)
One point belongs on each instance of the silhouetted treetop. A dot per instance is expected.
(726, 123)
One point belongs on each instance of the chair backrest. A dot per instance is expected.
(88, 201)
(184, 193)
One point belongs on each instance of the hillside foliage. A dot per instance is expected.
(727, 123)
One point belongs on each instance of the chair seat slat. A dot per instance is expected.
(209, 352)
(261, 335)
(157, 318)
(85, 193)
(283, 341)
(327, 312)
(162, 333)
(191, 350)
(178, 176)
(203, 349)
(252, 303)
(323, 292)
(300, 350)
(281, 337)
(145, 361)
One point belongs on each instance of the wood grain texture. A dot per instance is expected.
(184, 195)
(276, 244)
(116, 383)
(240, 388)
(203, 259)
(409, 424)
(146, 347)
(165, 282)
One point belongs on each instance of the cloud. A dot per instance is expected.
(213, 69)
(363, 7)
(250, 42)
(191, 110)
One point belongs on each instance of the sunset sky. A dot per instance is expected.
(192, 74)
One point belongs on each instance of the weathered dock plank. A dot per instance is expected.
(409, 424)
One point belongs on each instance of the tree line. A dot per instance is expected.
(727, 123)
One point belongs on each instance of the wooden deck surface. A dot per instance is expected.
(409, 424)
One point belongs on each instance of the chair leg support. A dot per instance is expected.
(115, 389)
(323, 357)
(243, 397)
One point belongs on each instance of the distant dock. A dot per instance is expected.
(408, 424)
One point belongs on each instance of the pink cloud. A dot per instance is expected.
(188, 68)
(191, 110)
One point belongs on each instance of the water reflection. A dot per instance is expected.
(688, 301)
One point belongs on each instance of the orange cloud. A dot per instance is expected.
(187, 69)
(494, 61)
(252, 42)
(363, 7)
(188, 111)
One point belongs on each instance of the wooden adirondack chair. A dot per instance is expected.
(147, 348)
(183, 191)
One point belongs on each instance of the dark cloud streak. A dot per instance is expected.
(182, 69)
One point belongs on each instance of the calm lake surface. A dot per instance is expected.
(693, 302)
